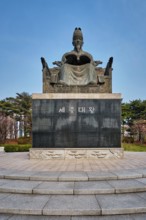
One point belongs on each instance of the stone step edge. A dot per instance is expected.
(118, 191)
(77, 212)
(41, 217)
(73, 205)
(140, 216)
(70, 178)
(72, 191)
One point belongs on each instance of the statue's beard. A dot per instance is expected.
(78, 47)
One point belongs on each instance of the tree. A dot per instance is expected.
(19, 109)
(6, 127)
(138, 109)
(134, 116)
(139, 129)
(126, 118)
(23, 103)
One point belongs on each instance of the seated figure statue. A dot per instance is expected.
(77, 71)
(77, 67)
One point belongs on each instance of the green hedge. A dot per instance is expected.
(17, 148)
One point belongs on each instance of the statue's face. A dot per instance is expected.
(78, 43)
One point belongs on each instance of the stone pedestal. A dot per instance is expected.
(76, 120)
(74, 153)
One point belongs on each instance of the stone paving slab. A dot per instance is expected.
(125, 174)
(139, 217)
(73, 176)
(54, 188)
(3, 195)
(2, 181)
(4, 172)
(111, 217)
(23, 204)
(93, 187)
(127, 185)
(5, 216)
(94, 175)
(143, 171)
(121, 204)
(46, 176)
(118, 217)
(142, 180)
(21, 217)
(19, 175)
(18, 186)
(142, 195)
(72, 205)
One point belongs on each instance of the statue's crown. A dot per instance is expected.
(77, 34)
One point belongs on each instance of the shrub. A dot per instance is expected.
(128, 140)
(24, 140)
(11, 147)
(17, 148)
(24, 148)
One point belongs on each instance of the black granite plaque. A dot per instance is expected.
(76, 123)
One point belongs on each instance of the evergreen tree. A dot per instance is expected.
(19, 109)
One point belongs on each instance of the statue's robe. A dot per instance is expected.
(77, 69)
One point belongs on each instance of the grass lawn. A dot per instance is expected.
(134, 147)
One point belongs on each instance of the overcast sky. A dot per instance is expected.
(30, 29)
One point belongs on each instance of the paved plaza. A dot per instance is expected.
(21, 161)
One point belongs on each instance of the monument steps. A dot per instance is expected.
(73, 195)
(72, 205)
(73, 188)
(72, 175)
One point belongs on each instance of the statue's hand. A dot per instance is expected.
(57, 63)
(97, 62)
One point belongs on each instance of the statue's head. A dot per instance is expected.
(77, 39)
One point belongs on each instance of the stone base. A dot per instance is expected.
(74, 153)
(2, 150)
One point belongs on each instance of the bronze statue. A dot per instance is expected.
(77, 69)
(78, 66)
